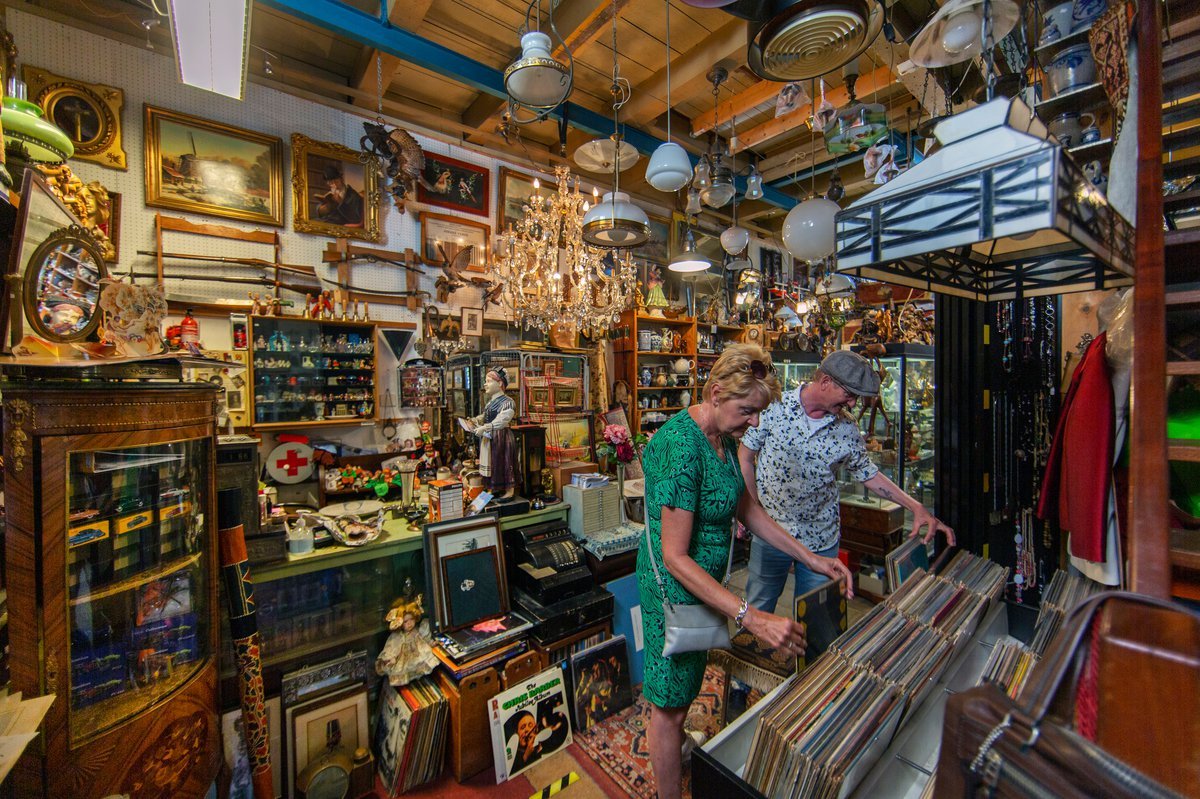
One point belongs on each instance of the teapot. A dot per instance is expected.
(682, 366)
(660, 379)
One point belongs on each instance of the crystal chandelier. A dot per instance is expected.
(551, 275)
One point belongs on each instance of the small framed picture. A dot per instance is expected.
(451, 183)
(472, 581)
(539, 398)
(472, 321)
(237, 757)
(238, 331)
(335, 720)
(444, 237)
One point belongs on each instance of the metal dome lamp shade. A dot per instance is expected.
(689, 260)
(669, 169)
(802, 39)
(616, 222)
(537, 83)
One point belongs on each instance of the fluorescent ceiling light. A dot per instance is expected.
(212, 40)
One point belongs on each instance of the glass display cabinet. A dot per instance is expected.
(306, 371)
(462, 391)
(111, 568)
(900, 432)
(794, 368)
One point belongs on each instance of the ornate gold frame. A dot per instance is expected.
(153, 157)
(302, 148)
(106, 102)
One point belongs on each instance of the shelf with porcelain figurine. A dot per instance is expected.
(311, 372)
(657, 357)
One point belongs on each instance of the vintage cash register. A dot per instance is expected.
(552, 585)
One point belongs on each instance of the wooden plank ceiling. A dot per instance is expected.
(311, 61)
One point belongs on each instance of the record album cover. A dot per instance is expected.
(823, 612)
(600, 684)
(529, 723)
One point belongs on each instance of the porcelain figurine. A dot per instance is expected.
(497, 460)
(407, 653)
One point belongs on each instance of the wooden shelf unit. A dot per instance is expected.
(630, 360)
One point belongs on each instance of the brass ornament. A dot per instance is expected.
(89, 113)
(20, 413)
(90, 203)
(51, 670)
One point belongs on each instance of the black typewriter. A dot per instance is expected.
(546, 563)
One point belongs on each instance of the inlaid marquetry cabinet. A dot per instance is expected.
(111, 567)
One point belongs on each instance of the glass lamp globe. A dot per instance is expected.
(536, 79)
(693, 202)
(669, 169)
(961, 30)
(616, 221)
(735, 239)
(754, 189)
(700, 176)
(719, 192)
(808, 231)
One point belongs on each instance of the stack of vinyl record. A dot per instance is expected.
(815, 733)
(827, 727)
(1009, 666)
(1060, 597)
(410, 738)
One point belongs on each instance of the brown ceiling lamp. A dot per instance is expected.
(800, 39)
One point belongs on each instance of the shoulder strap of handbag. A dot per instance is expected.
(1060, 658)
(658, 575)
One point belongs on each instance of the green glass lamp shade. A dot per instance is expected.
(22, 121)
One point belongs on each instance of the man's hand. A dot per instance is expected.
(932, 525)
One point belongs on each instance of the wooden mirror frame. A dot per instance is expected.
(75, 236)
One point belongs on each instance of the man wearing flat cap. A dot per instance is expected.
(790, 462)
(342, 204)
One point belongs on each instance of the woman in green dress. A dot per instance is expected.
(694, 490)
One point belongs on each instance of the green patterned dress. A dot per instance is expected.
(683, 471)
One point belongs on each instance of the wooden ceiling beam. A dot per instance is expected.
(407, 14)
(583, 22)
(650, 96)
(742, 102)
(867, 85)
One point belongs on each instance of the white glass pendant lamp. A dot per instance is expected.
(536, 79)
(616, 221)
(809, 232)
(669, 169)
(212, 41)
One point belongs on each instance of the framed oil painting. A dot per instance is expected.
(658, 249)
(204, 167)
(515, 190)
(333, 192)
(450, 183)
(443, 237)
(89, 113)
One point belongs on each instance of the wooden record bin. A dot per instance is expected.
(111, 577)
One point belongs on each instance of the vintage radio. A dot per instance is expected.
(545, 562)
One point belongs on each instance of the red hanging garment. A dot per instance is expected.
(1079, 470)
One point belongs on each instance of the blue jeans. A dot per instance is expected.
(768, 573)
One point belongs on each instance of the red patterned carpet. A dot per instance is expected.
(618, 744)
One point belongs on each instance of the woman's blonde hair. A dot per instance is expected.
(744, 370)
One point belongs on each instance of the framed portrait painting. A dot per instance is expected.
(204, 167)
(333, 192)
(444, 237)
(450, 183)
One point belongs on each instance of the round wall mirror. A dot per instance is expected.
(62, 285)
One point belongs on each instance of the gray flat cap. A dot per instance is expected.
(853, 371)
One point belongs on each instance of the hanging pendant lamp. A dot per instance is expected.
(537, 82)
(689, 260)
(669, 169)
(616, 221)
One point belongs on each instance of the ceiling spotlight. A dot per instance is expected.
(268, 67)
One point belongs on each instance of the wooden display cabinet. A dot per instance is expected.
(112, 568)
(641, 353)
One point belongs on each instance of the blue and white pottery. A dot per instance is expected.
(1089, 135)
(1071, 68)
(1057, 22)
(1084, 12)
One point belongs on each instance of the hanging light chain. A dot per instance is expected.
(989, 45)
(668, 2)
(379, 87)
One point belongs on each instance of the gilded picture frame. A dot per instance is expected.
(317, 206)
(89, 113)
(204, 167)
(441, 233)
(515, 190)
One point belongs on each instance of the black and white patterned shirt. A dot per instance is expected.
(798, 460)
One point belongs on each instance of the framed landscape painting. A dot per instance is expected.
(205, 167)
(333, 192)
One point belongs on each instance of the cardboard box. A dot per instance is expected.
(562, 473)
